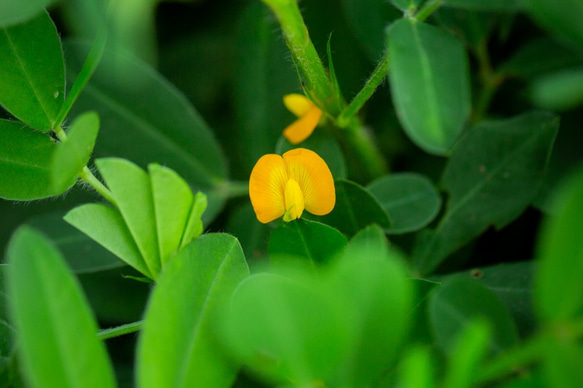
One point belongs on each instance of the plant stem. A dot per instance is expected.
(490, 80)
(120, 330)
(427, 10)
(237, 189)
(88, 177)
(376, 78)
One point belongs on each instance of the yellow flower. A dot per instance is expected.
(308, 117)
(286, 185)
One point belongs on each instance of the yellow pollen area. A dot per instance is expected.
(294, 201)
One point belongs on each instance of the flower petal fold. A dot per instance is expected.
(303, 127)
(314, 178)
(267, 187)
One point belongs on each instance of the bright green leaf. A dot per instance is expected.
(145, 119)
(194, 226)
(25, 159)
(560, 90)
(132, 189)
(32, 86)
(306, 241)
(73, 153)
(410, 200)
(18, 11)
(492, 176)
(558, 287)
(458, 302)
(429, 83)
(178, 347)
(57, 334)
(418, 369)
(562, 364)
(106, 226)
(355, 209)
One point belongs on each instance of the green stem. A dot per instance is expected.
(490, 80)
(88, 177)
(237, 189)
(427, 10)
(376, 78)
(120, 330)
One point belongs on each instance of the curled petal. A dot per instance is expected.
(313, 176)
(267, 187)
(298, 104)
(303, 127)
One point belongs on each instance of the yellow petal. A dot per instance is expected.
(298, 104)
(267, 187)
(303, 127)
(314, 178)
(294, 201)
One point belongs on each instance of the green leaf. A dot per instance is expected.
(83, 255)
(458, 302)
(145, 119)
(371, 239)
(194, 226)
(429, 83)
(558, 286)
(378, 297)
(132, 189)
(106, 226)
(72, 154)
(173, 201)
(355, 209)
(368, 21)
(178, 347)
(469, 351)
(253, 235)
(406, 5)
(307, 241)
(56, 331)
(17, 11)
(560, 17)
(324, 145)
(410, 200)
(471, 27)
(560, 90)
(485, 5)
(25, 159)
(562, 364)
(492, 176)
(32, 86)
(287, 329)
(417, 370)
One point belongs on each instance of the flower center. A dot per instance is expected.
(294, 201)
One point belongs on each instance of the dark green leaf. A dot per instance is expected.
(307, 241)
(132, 189)
(73, 153)
(252, 235)
(485, 5)
(473, 28)
(56, 331)
(145, 119)
(355, 209)
(287, 329)
(18, 11)
(25, 159)
(371, 239)
(560, 17)
(32, 86)
(559, 290)
(406, 5)
(492, 176)
(560, 90)
(177, 346)
(429, 83)
(460, 301)
(107, 227)
(410, 200)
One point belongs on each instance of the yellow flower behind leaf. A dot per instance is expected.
(308, 117)
(285, 186)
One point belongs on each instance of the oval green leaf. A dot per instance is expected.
(410, 200)
(457, 303)
(32, 86)
(492, 176)
(25, 159)
(73, 153)
(17, 11)
(430, 84)
(308, 241)
(559, 256)
(560, 90)
(178, 347)
(355, 209)
(56, 332)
